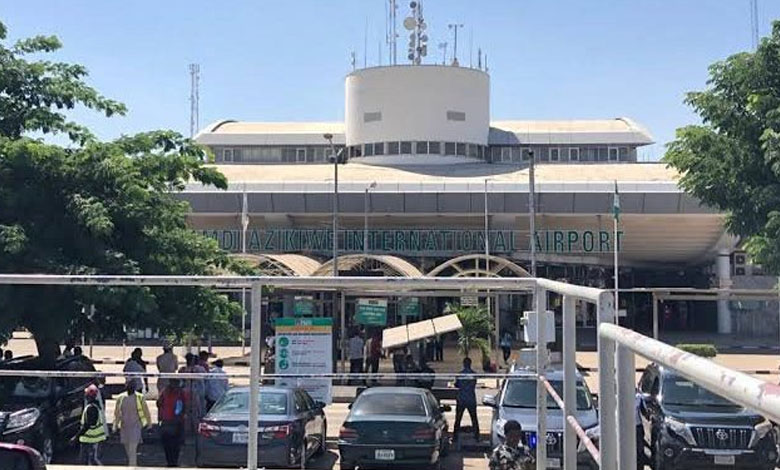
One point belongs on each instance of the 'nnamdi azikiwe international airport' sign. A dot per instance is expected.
(415, 241)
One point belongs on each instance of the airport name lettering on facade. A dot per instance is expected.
(415, 240)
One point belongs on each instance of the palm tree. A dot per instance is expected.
(477, 328)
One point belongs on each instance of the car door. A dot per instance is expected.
(317, 420)
(304, 415)
(439, 422)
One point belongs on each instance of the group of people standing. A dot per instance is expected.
(181, 403)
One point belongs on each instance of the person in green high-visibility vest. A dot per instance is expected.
(92, 432)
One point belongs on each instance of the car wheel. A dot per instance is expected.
(323, 445)
(658, 458)
(47, 446)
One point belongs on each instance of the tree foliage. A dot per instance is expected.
(95, 208)
(732, 161)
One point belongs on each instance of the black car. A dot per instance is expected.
(393, 427)
(292, 427)
(42, 412)
(687, 427)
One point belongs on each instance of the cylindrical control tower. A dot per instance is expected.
(389, 110)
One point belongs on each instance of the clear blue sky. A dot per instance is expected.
(286, 59)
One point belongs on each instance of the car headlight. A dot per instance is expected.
(680, 429)
(760, 431)
(593, 434)
(21, 420)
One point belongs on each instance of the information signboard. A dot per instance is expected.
(371, 312)
(305, 346)
(303, 306)
(409, 307)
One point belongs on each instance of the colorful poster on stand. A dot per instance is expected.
(305, 346)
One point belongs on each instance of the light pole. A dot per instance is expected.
(532, 211)
(335, 157)
(365, 216)
(244, 226)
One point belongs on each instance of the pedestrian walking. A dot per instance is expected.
(355, 353)
(171, 412)
(466, 399)
(92, 432)
(68, 351)
(195, 390)
(374, 354)
(399, 365)
(136, 364)
(203, 360)
(512, 454)
(410, 367)
(429, 378)
(216, 386)
(506, 346)
(98, 400)
(439, 348)
(131, 417)
(167, 362)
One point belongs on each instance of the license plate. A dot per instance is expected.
(240, 437)
(724, 460)
(553, 463)
(384, 454)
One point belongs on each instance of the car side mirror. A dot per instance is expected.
(445, 408)
(21, 458)
(489, 400)
(349, 406)
(595, 399)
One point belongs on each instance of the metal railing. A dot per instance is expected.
(619, 380)
(540, 288)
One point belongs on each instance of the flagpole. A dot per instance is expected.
(615, 217)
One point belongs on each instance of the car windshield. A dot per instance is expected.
(21, 388)
(521, 393)
(271, 403)
(401, 404)
(681, 391)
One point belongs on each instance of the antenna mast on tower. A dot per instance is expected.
(418, 40)
(754, 23)
(194, 99)
(455, 26)
(392, 33)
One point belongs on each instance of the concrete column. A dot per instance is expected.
(723, 268)
(254, 373)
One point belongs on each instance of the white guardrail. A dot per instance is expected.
(743, 389)
(390, 286)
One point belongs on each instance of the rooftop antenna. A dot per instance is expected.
(365, 45)
(194, 99)
(443, 47)
(455, 26)
(479, 58)
(352, 60)
(754, 23)
(486, 67)
(392, 33)
(471, 47)
(418, 40)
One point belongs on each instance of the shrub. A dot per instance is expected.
(703, 350)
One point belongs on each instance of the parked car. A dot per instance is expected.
(688, 427)
(292, 427)
(42, 412)
(516, 400)
(18, 457)
(393, 427)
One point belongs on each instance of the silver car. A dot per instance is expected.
(516, 400)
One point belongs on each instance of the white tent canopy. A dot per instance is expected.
(405, 334)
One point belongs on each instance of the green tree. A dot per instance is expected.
(95, 208)
(477, 328)
(732, 160)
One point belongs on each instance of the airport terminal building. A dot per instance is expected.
(427, 176)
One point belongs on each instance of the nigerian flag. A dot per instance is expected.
(616, 204)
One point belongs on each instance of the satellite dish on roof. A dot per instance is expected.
(424, 38)
(409, 23)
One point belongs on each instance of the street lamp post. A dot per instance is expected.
(335, 157)
(532, 211)
(365, 216)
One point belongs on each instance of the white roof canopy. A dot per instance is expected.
(405, 334)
